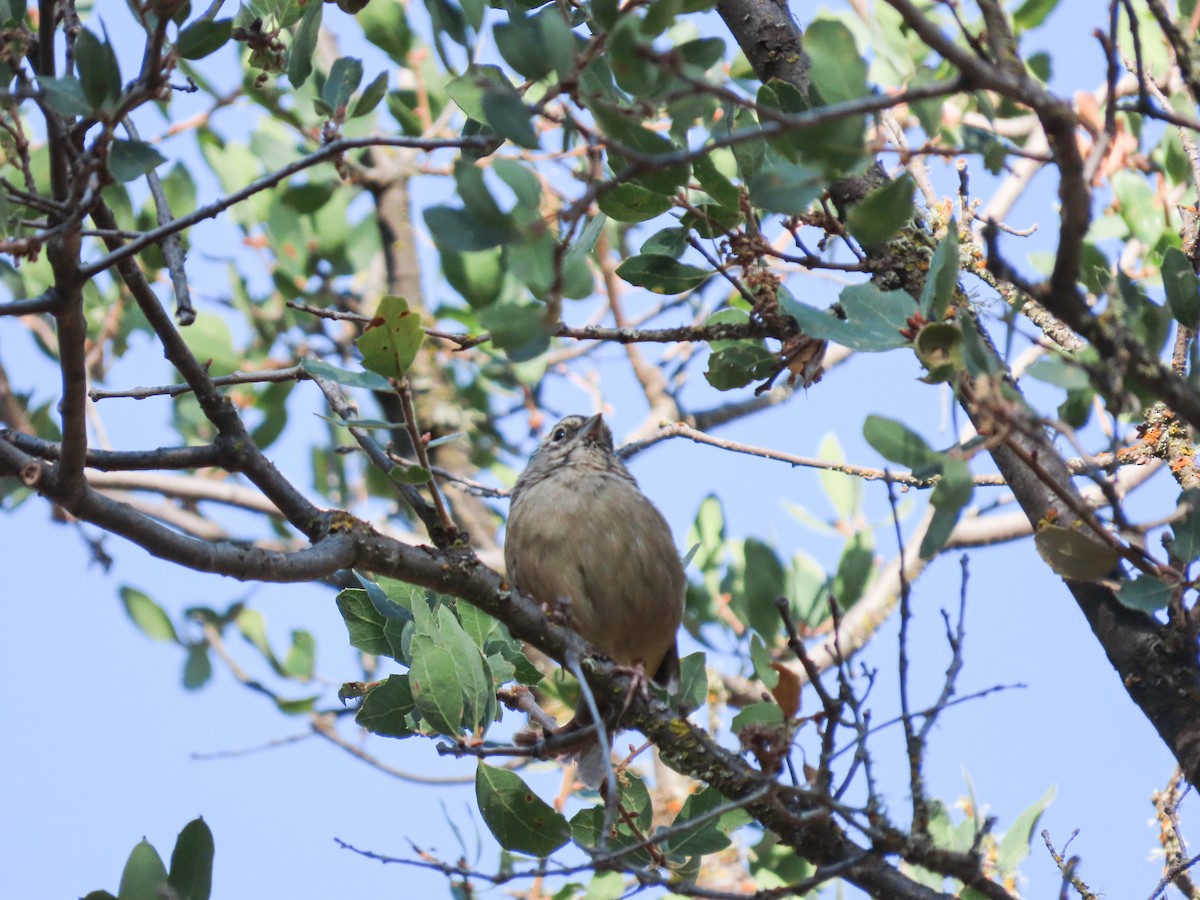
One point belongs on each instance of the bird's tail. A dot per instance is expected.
(589, 763)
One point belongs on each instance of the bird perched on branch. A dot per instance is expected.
(582, 535)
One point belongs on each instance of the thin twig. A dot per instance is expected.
(329, 151)
(612, 795)
(267, 376)
(668, 430)
(172, 245)
(348, 413)
(403, 390)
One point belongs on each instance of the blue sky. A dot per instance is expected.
(102, 738)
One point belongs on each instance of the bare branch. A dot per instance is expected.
(267, 376)
(47, 302)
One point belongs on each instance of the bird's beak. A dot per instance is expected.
(591, 429)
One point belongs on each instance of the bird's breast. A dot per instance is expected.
(593, 542)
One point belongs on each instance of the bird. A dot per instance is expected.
(582, 537)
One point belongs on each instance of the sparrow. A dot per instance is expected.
(582, 537)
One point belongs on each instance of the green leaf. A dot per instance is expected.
(197, 667)
(661, 274)
(1185, 544)
(364, 623)
(714, 181)
(211, 340)
(435, 690)
(522, 42)
(203, 37)
(148, 615)
(478, 276)
(478, 625)
(534, 262)
(711, 220)
(518, 330)
(300, 661)
(65, 96)
(765, 579)
(629, 58)
(578, 282)
(882, 212)
(633, 203)
(953, 492)
(836, 147)
(977, 354)
(628, 133)
(693, 682)
(471, 672)
(855, 568)
(469, 89)
(386, 26)
(410, 474)
(297, 707)
(605, 886)
(635, 800)
(768, 713)
(1148, 321)
(1138, 206)
(396, 602)
(671, 241)
(760, 659)
(253, 626)
(458, 229)
(128, 160)
(192, 861)
(1074, 552)
(739, 363)
(942, 277)
(371, 96)
(1182, 287)
(785, 187)
(368, 380)
(845, 492)
(1032, 13)
(387, 707)
(144, 876)
(1014, 846)
(345, 75)
(711, 835)
(1060, 371)
(896, 442)
(391, 341)
(518, 818)
(304, 44)
(703, 53)
(838, 71)
(873, 320)
(98, 72)
(1145, 593)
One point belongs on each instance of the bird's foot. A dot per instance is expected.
(639, 684)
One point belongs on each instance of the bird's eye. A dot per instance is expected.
(559, 434)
